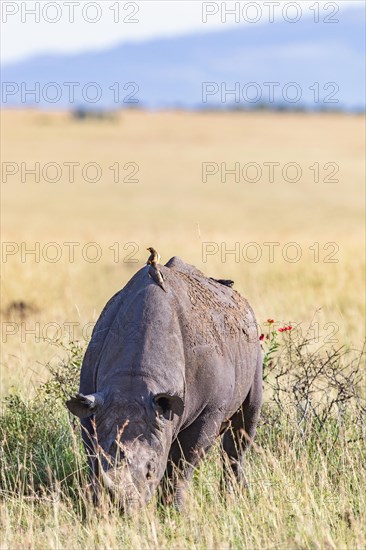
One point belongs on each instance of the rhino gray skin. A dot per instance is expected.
(165, 373)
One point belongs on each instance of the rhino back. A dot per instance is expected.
(220, 336)
(198, 324)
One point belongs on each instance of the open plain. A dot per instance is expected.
(274, 201)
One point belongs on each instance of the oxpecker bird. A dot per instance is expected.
(154, 256)
(154, 271)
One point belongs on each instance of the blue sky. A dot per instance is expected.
(23, 37)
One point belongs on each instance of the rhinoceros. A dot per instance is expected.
(164, 375)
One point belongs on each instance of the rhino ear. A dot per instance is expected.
(85, 405)
(166, 405)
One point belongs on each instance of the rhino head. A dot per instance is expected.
(132, 439)
(132, 382)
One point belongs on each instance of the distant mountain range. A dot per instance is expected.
(326, 63)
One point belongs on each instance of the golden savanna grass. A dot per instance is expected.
(296, 501)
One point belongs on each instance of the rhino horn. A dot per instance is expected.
(85, 405)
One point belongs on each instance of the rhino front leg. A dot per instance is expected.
(238, 438)
(185, 454)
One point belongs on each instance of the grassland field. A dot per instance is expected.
(295, 249)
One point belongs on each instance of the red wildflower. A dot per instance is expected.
(270, 321)
(285, 329)
(261, 337)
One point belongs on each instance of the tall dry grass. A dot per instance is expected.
(305, 470)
